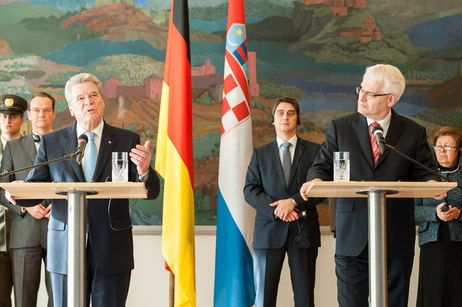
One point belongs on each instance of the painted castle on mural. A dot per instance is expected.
(339, 7)
(202, 77)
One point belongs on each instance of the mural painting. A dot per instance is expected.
(314, 50)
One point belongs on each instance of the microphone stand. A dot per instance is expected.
(76, 232)
(70, 156)
(441, 177)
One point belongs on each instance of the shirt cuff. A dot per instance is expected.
(144, 177)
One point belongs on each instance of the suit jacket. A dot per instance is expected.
(109, 225)
(4, 222)
(350, 133)
(429, 223)
(26, 231)
(265, 184)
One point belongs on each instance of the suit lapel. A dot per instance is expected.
(70, 145)
(276, 161)
(394, 131)
(31, 150)
(299, 149)
(362, 133)
(105, 150)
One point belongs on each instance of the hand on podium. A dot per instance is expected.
(305, 187)
(440, 196)
(9, 197)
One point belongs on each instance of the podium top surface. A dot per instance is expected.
(57, 190)
(400, 189)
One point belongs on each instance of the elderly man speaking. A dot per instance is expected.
(109, 245)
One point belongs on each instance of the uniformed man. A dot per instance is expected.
(12, 110)
(28, 234)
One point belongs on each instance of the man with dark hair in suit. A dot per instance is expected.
(12, 108)
(284, 223)
(381, 88)
(109, 239)
(28, 236)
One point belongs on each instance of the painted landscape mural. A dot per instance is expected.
(314, 50)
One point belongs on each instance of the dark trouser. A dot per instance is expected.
(6, 278)
(267, 271)
(440, 272)
(353, 280)
(27, 271)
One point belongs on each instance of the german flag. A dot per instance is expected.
(174, 157)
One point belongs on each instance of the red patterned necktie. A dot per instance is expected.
(375, 148)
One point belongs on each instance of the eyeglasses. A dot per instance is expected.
(446, 148)
(359, 90)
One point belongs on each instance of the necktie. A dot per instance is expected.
(89, 159)
(286, 161)
(375, 149)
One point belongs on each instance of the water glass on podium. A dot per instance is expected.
(120, 167)
(341, 166)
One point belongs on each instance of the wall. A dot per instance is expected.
(150, 281)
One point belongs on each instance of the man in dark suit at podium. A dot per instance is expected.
(28, 237)
(284, 223)
(380, 90)
(109, 240)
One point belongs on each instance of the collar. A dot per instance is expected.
(3, 141)
(446, 170)
(98, 130)
(293, 141)
(384, 123)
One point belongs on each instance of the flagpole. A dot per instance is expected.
(172, 290)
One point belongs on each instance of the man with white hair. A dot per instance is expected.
(109, 244)
(381, 88)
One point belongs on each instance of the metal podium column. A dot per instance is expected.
(76, 249)
(378, 286)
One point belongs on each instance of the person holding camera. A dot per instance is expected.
(284, 223)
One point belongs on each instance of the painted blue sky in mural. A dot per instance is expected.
(157, 5)
(289, 52)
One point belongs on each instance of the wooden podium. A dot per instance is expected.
(76, 193)
(376, 192)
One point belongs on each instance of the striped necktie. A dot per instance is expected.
(375, 148)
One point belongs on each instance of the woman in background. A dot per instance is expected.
(440, 231)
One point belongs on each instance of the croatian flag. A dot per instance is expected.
(235, 219)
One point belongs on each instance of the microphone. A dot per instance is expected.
(445, 208)
(379, 139)
(82, 142)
